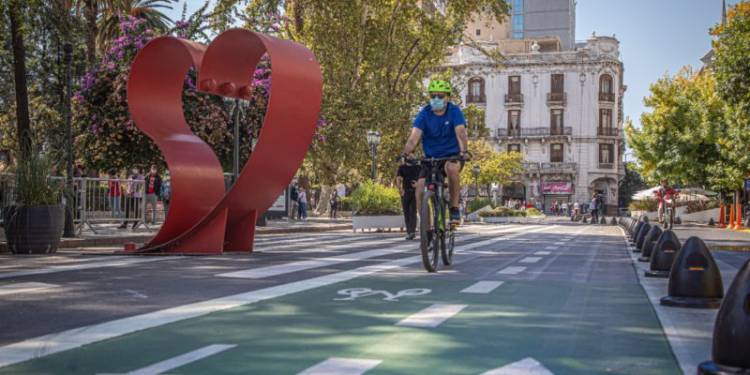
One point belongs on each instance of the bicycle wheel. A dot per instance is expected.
(446, 250)
(429, 236)
(670, 218)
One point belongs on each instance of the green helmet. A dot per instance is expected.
(437, 85)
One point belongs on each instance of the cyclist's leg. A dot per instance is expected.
(419, 192)
(453, 170)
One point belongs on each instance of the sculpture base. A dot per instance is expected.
(712, 368)
(691, 302)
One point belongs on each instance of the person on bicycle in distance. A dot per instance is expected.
(442, 128)
(664, 194)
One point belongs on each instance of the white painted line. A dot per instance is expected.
(511, 270)
(551, 248)
(432, 316)
(526, 366)
(560, 243)
(531, 259)
(182, 360)
(120, 261)
(45, 345)
(342, 366)
(542, 253)
(482, 287)
(19, 288)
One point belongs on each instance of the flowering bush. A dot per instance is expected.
(375, 199)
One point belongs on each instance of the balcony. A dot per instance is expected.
(550, 168)
(557, 98)
(606, 165)
(608, 132)
(534, 132)
(607, 97)
(479, 99)
(513, 98)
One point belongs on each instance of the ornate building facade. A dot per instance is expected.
(561, 108)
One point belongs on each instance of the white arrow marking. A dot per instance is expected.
(342, 366)
(526, 366)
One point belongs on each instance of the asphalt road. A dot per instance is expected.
(555, 298)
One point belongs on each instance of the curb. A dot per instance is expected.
(77, 243)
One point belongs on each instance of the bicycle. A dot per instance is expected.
(668, 213)
(434, 235)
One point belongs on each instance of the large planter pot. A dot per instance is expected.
(34, 229)
(378, 222)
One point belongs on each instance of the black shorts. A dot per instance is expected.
(426, 168)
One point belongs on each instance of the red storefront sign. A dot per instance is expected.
(557, 187)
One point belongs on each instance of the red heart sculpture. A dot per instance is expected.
(203, 218)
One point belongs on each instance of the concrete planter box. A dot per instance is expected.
(474, 216)
(702, 216)
(652, 215)
(512, 219)
(378, 222)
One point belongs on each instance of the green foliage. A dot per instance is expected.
(503, 212)
(374, 199)
(630, 184)
(534, 212)
(32, 185)
(649, 205)
(478, 203)
(475, 121)
(494, 167)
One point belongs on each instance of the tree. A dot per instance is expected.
(147, 10)
(495, 167)
(475, 121)
(630, 184)
(374, 57)
(731, 68)
(678, 137)
(15, 9)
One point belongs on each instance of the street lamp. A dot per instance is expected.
(68, 227)
(373, 140)
(475, 171)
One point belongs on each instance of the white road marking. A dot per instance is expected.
(19, 288)
(542, 253)
(120, 261)
(526, 366)
(342, 366)
(45, 345)
(551, 248)
(432, 316)
(531, 259)
(182, 360)
(560, 243)
(515, 270)
(482, 287)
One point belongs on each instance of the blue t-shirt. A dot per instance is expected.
(439, 132)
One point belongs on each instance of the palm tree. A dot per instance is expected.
(148, 10)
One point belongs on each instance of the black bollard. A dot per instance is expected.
(711, 221)
(677, 220)
(603, 220)
(644, 218)
(613, 221)
(634, 232)
(694, 280)
(641, 237)
(731, 344)
(585, 220)
(663, 254)
(648, 244)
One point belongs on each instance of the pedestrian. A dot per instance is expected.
(166, 192)
(594, 210)
(576, 208)
(302, 201)
(114, 192)
(293, 201)
(564, 209)
(134, 197)
(334, 203)
(153, 188)
(406, 180)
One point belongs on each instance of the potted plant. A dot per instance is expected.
(34, 224)
(376, 206)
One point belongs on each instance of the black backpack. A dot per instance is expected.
(293, 194)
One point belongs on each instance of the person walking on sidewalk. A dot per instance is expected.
(334, 203)
(114, 191)
(594, 210)
(166, 193)
(302, 201)
(134, 197)
(406, 180)
(293, 202)
(153, 188)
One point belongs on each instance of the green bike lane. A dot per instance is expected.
(568, 327)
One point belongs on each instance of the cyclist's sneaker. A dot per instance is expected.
(455, 215)
(410, 236)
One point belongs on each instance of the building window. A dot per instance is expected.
(479, 32)
(605, 120)
(476, 90)
(606, 153)
(516, 16)
(514, 85)
(558, 83)
(556, 122)
(514, 122)
(606, 90)
(556, 153)
(514, 147)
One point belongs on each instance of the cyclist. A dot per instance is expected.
(665, 194)
(442, 128)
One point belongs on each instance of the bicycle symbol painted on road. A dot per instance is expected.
(354, 293)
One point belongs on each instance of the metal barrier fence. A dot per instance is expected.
(102, 201)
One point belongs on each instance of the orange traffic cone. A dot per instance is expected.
(721, 215)
(738, 226)
(730, 225)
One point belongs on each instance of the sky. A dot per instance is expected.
(657, 37)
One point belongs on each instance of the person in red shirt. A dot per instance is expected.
(665, 194)
(114, 191)
(153, 189)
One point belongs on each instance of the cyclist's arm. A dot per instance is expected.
(463, 137)
(413, 141)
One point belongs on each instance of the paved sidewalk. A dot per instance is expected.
(108, 235)
(715, 238)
